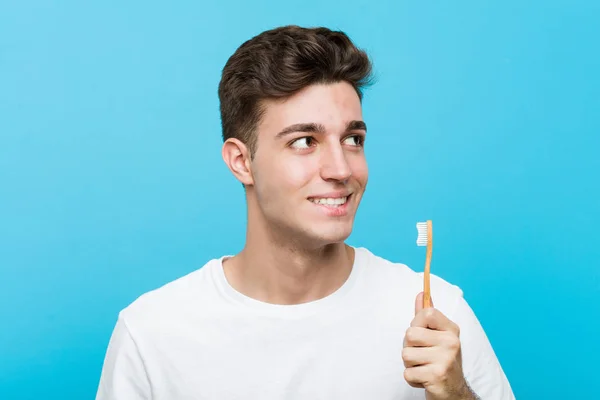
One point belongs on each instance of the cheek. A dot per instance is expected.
(360, 170)
(281, 180)
(294, 173)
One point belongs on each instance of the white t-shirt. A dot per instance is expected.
(198, 338)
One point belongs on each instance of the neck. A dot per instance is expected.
(278, 271)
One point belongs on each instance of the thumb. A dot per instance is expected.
(420, 302)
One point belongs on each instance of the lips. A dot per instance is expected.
(329, 201)
(332, 206)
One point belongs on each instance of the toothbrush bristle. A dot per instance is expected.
(422, 233)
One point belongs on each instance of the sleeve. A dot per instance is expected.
(123, 374)
(481, 367)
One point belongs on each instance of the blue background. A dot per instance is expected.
(484, 119)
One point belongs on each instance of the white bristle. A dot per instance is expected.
(422, 237)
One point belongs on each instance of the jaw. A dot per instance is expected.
(304, 223)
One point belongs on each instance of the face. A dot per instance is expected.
(309, 170)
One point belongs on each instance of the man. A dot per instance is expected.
(298, 314)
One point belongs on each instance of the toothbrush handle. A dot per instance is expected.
(426, 275)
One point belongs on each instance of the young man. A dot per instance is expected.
(298, 314)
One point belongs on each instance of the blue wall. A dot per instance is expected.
(485, 118)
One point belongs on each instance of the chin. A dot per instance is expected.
(329, 235)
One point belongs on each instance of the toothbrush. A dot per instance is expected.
(425, 238)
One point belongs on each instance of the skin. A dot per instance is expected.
(295, 250)
(432, 355)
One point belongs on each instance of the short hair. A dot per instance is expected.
(278, 63)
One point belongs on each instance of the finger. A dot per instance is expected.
(416, 336)
(432, 318)
(414, 356)
(416, 376)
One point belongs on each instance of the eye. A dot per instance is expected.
(302, 143)
(354, 140)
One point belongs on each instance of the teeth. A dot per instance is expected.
(330, 201)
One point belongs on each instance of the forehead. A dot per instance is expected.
(331, 105)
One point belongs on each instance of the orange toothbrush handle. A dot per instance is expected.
(426, 283)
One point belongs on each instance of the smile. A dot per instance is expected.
(329, 201)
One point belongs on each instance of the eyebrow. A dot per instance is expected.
(312, 127)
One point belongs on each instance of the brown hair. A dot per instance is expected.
(280, 62)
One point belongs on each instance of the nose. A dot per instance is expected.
(334, 165)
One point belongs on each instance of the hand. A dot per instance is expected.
(432, 355)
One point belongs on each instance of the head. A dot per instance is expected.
(294, 133)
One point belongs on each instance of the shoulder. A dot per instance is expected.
(173, 300)
(399, 276)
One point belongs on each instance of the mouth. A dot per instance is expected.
(337, 202)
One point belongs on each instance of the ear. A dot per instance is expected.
(237, 157)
